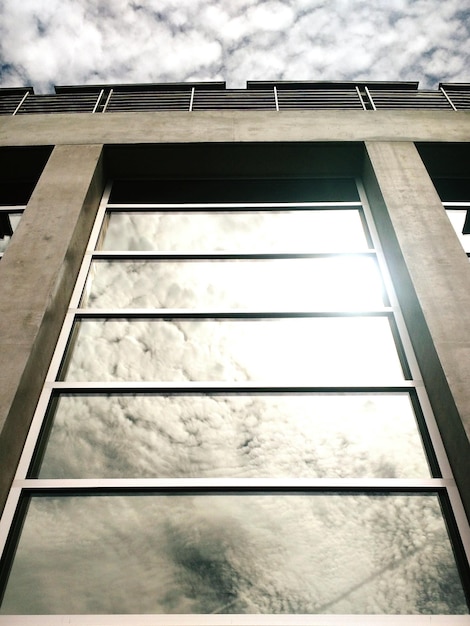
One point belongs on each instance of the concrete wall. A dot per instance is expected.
(37, 274)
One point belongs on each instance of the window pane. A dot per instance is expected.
(334, 283)
(457, 218)
(234, 189)
(314, 435)
(311, 351)
(241, 231)
(252, 553)
(9, 223)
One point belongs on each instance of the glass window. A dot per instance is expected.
(327, 283)
(235, 553)
(234, 189)
(233, 435)
(457, 218)
(240, 231)
(248, 437)
(8, 224)
(309, 351)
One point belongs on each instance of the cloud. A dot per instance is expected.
(307, 351)
(92, 41)
(235, 553)
(234, 435)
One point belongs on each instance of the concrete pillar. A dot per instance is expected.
(36, 287)
(432, 279)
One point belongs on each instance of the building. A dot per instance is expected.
(234, 354)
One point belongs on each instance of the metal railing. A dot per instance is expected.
(263, 96)
(405, 99)
(58, 103)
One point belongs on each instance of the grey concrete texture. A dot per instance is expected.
(432, 279)
(37, 286)
(229, 126)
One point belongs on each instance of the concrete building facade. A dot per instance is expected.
(71, 334)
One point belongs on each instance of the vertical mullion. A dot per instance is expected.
(74, 301)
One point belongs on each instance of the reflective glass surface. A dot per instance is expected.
(244, 231)
(14, 219)
(240, 190)
(457, 219)
(334, 283)
(234, 553)
(256, 435)
(312, 351)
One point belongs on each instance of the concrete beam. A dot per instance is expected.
(234, 126)
(36, 287)
(432, 279)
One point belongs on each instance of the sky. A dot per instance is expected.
(251, 553)
(63, 42)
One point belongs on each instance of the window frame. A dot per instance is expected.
(442, 482)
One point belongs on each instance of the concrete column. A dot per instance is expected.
(35, 287)
(432, 279)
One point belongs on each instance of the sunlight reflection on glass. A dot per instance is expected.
(311, 351)
(324, 283)
(457, 219)
(336, 230)
(237, 435)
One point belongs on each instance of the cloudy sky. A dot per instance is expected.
(271, 553)
(47, 42)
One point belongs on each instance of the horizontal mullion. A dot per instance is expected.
(412, 105)
(226, 206)
(231, 98)
(150, 109)
(241, 106)
(133, 106)
(148, 106)
(234, 107)
(217, 96)
(223, 387)
(145, 97)
(51, 110)
(255, 485)
(410, 97)
(233, 620)
(245, 96)
(317, 98)
(319, 104)
(92, 313)
(234, 256)
(284, 106)
(51, 104)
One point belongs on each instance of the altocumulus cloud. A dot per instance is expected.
(91, 41)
